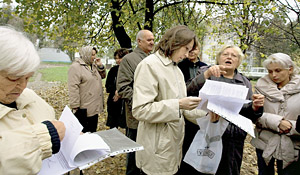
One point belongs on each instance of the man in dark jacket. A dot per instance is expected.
(145, 41)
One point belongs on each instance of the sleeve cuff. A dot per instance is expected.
(54, 136)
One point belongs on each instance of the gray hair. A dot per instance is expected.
(18, 55)
(283, 59)
(241, 56)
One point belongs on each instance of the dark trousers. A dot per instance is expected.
(91, 124)
(131, 168)
(264, 169)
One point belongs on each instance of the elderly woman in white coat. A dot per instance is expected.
(160, 103)
(29, 132)
(277, 140)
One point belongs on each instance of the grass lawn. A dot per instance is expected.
(60, 73)
(55, 74)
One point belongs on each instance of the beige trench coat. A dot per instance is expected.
(24, 140)
(85, 87)
(159, 84)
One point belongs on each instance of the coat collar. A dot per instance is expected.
(238, 76)
(80, 61)
(139, 51)
(268, 88)
(165, 60)
(21, 101)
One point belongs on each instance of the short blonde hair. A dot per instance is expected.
(18, 55)
(283, 59)
(241, 56)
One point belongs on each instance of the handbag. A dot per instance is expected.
(205, 152)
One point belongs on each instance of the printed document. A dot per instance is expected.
(226, 100)
(84, 150)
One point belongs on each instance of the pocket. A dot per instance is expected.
(163, 139)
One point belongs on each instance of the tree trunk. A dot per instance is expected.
(119, 30)
(149, 15)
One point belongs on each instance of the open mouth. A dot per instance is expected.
(228, 62)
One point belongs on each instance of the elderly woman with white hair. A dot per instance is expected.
(228, 60)
(277, 140)
(29, 132)
(85, 88)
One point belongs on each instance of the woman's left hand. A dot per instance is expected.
(116, 96)
(258, 101)
(284, 126)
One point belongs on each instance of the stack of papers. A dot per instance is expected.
(84, 150)
(226, 100)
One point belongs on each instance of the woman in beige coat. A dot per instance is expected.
(277, 140)
(29, 132)
(85, 88)
(160, 103)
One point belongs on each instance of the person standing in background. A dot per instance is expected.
(85, 88)
(189, 67)
(277, 139)
(115, 105)
(145, 43)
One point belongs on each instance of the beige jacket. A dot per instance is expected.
(24, 140)
(159, 84)
(279, 104)
(85, 87)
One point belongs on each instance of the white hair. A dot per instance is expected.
(18, 55)
(283, 59)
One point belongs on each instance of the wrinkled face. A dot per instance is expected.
(12, 86)
(147, 42)
(118, 60)
(93, 55)
(278, 74)
(182, 52)
(193, 55)
(229, 58)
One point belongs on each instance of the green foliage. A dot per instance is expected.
(69, 24)
(55, 74)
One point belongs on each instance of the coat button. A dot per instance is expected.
(23, 115)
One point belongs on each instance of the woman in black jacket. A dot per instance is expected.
(115, 109)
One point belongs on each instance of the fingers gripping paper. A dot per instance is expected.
(226, 100)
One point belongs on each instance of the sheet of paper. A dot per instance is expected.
(83, 150)
(226, 100)
(235, 118)
(58, 163)
(73, 130)
(118, 143)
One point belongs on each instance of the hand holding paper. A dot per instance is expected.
(226, 100)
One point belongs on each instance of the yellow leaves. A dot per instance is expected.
(274, 8)
(262, 55)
